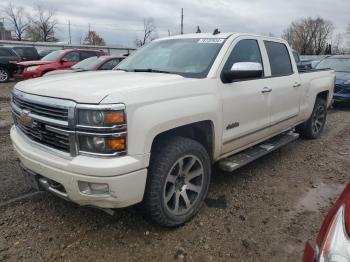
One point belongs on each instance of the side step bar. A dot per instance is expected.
(240, 159)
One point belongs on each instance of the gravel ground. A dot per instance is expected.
(263, 212)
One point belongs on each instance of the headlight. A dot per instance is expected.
(99, 118)
(32, 68)
(336, 246)
(101, 129)
(102, 145)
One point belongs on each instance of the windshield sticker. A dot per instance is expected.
(211, 41)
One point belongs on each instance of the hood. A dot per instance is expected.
(341, 77)
(33, 63)
(93, 87)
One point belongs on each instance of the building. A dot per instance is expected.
(4, 34)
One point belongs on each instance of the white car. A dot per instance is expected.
(150, 130)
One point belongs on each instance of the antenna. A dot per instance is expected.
(216, 31)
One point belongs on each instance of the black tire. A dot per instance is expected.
(314, 126)
(4, 75)
(165, 162)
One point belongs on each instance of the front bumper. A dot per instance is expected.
(27, 75)
(125, 188)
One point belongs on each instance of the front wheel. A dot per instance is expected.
(4, 75)
(314, 126)
(178, 181)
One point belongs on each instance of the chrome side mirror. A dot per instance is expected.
(243, 71)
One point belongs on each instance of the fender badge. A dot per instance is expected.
(232, 125)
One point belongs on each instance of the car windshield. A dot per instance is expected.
(53, 56)
(337, 64)
(89, 63)
(186, 57)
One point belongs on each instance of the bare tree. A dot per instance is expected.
(18, 20)
(92, 38)
(309, 35)
(43, 25)
(149, 29)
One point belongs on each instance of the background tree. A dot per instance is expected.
(18, 20)
(149, 29)
(92, 38)
(198, 31)
(43, 25)
(309, 36)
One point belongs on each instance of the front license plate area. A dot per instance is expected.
(31, 179)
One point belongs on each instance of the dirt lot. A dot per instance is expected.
(272, 207)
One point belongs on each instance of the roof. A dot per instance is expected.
(339, 57)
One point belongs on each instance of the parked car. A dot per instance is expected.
(27, 53)
(341, 65)
(151, 130)
(60, 59)
(43, 53)
(91, 64)
(333, 240)
(8, 60)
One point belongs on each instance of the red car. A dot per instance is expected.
(94, 63)
(60, 59)
(333, 240)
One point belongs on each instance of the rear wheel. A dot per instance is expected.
(178, 181)
(4, 75)
(314, 126)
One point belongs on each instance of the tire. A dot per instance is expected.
(4, 75)
(314, 126)
(174, 195)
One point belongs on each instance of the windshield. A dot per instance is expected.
(186, 57)
(89, 63)
(53, 56)
(337, 64)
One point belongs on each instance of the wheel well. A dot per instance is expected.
(323, 95)
(201, 132)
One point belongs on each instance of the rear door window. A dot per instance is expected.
(279, 58)
(6, 52)
(110, 64)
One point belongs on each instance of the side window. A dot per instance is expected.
(84, 55)
(72, 57)
(5, 52)
(279, 59)
(245, 51)
(110, 64)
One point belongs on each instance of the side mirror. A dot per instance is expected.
(63, 60)
(243, 71)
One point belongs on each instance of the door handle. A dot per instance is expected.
(266, 90)
(296, 85)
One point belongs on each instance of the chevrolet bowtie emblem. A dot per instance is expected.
(25, 119)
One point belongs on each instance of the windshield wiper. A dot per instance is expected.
(120, 69)
(150, 70)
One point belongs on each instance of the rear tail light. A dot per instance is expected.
(336, 246)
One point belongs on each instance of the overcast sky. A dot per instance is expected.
(121, 21)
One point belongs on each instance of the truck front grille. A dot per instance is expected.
(42, 110)
(39, 133)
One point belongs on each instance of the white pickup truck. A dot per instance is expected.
(151, 130)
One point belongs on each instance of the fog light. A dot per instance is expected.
(89, 188)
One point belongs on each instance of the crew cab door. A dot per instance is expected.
(245, 103)
(285, 86)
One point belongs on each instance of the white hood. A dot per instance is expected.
(93, 87)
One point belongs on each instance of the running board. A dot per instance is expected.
(240, 159)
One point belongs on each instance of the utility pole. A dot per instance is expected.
(70, 36)
(168, 32)
(182, 21)
(89, 27)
